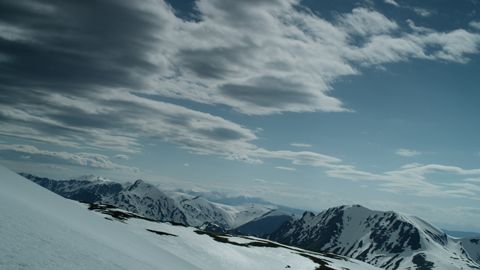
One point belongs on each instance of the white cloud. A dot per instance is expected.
(301, 145)
(91, 160)
(391, 2)
(412, 179)
(259, 180)
(287, 65)
(475, 24)
(366, 22)
(122, 157)
(285, 168)
(423, 11)
(235, 67)
(407, 152)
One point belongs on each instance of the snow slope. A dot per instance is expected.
(385, 239)
(41, 230)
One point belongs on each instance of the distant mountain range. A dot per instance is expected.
(387, 240)
(461, 234)
(176, 206)
(41, 230)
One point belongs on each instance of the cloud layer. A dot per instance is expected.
(74, 77)
(83, 159)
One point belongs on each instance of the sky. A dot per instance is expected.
(310, 104)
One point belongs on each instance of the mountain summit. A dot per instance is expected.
(388, 240)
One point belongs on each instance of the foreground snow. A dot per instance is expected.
(41, 230)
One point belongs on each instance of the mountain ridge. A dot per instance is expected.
(42, 230)
(387, 239)
(148, 200)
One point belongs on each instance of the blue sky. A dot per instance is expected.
(310, 104)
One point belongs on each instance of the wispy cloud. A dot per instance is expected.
(285, 168)
(412, 179)
(301, 145)
(407, 152)
(391, 2)
(475, 24)
(171, 57)
(423, 11)
(122, 157)
(91, 160)
(259, 180)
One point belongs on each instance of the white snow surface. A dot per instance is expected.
(41, 230)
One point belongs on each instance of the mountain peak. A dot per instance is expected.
(308, 214)
(139, 184)
(383, 238)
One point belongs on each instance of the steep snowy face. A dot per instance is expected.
(385, 239)
(200, 211)
(146, 200)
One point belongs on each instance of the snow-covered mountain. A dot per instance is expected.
(148, 200)
(385, 239)
(41, 230)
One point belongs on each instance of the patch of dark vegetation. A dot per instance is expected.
(475, 241)
(115, 213)
(422, 263)
(335, 256)
(161, 233)
(212, 227)
(177, 224)
(94, 206)
(223, 238)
